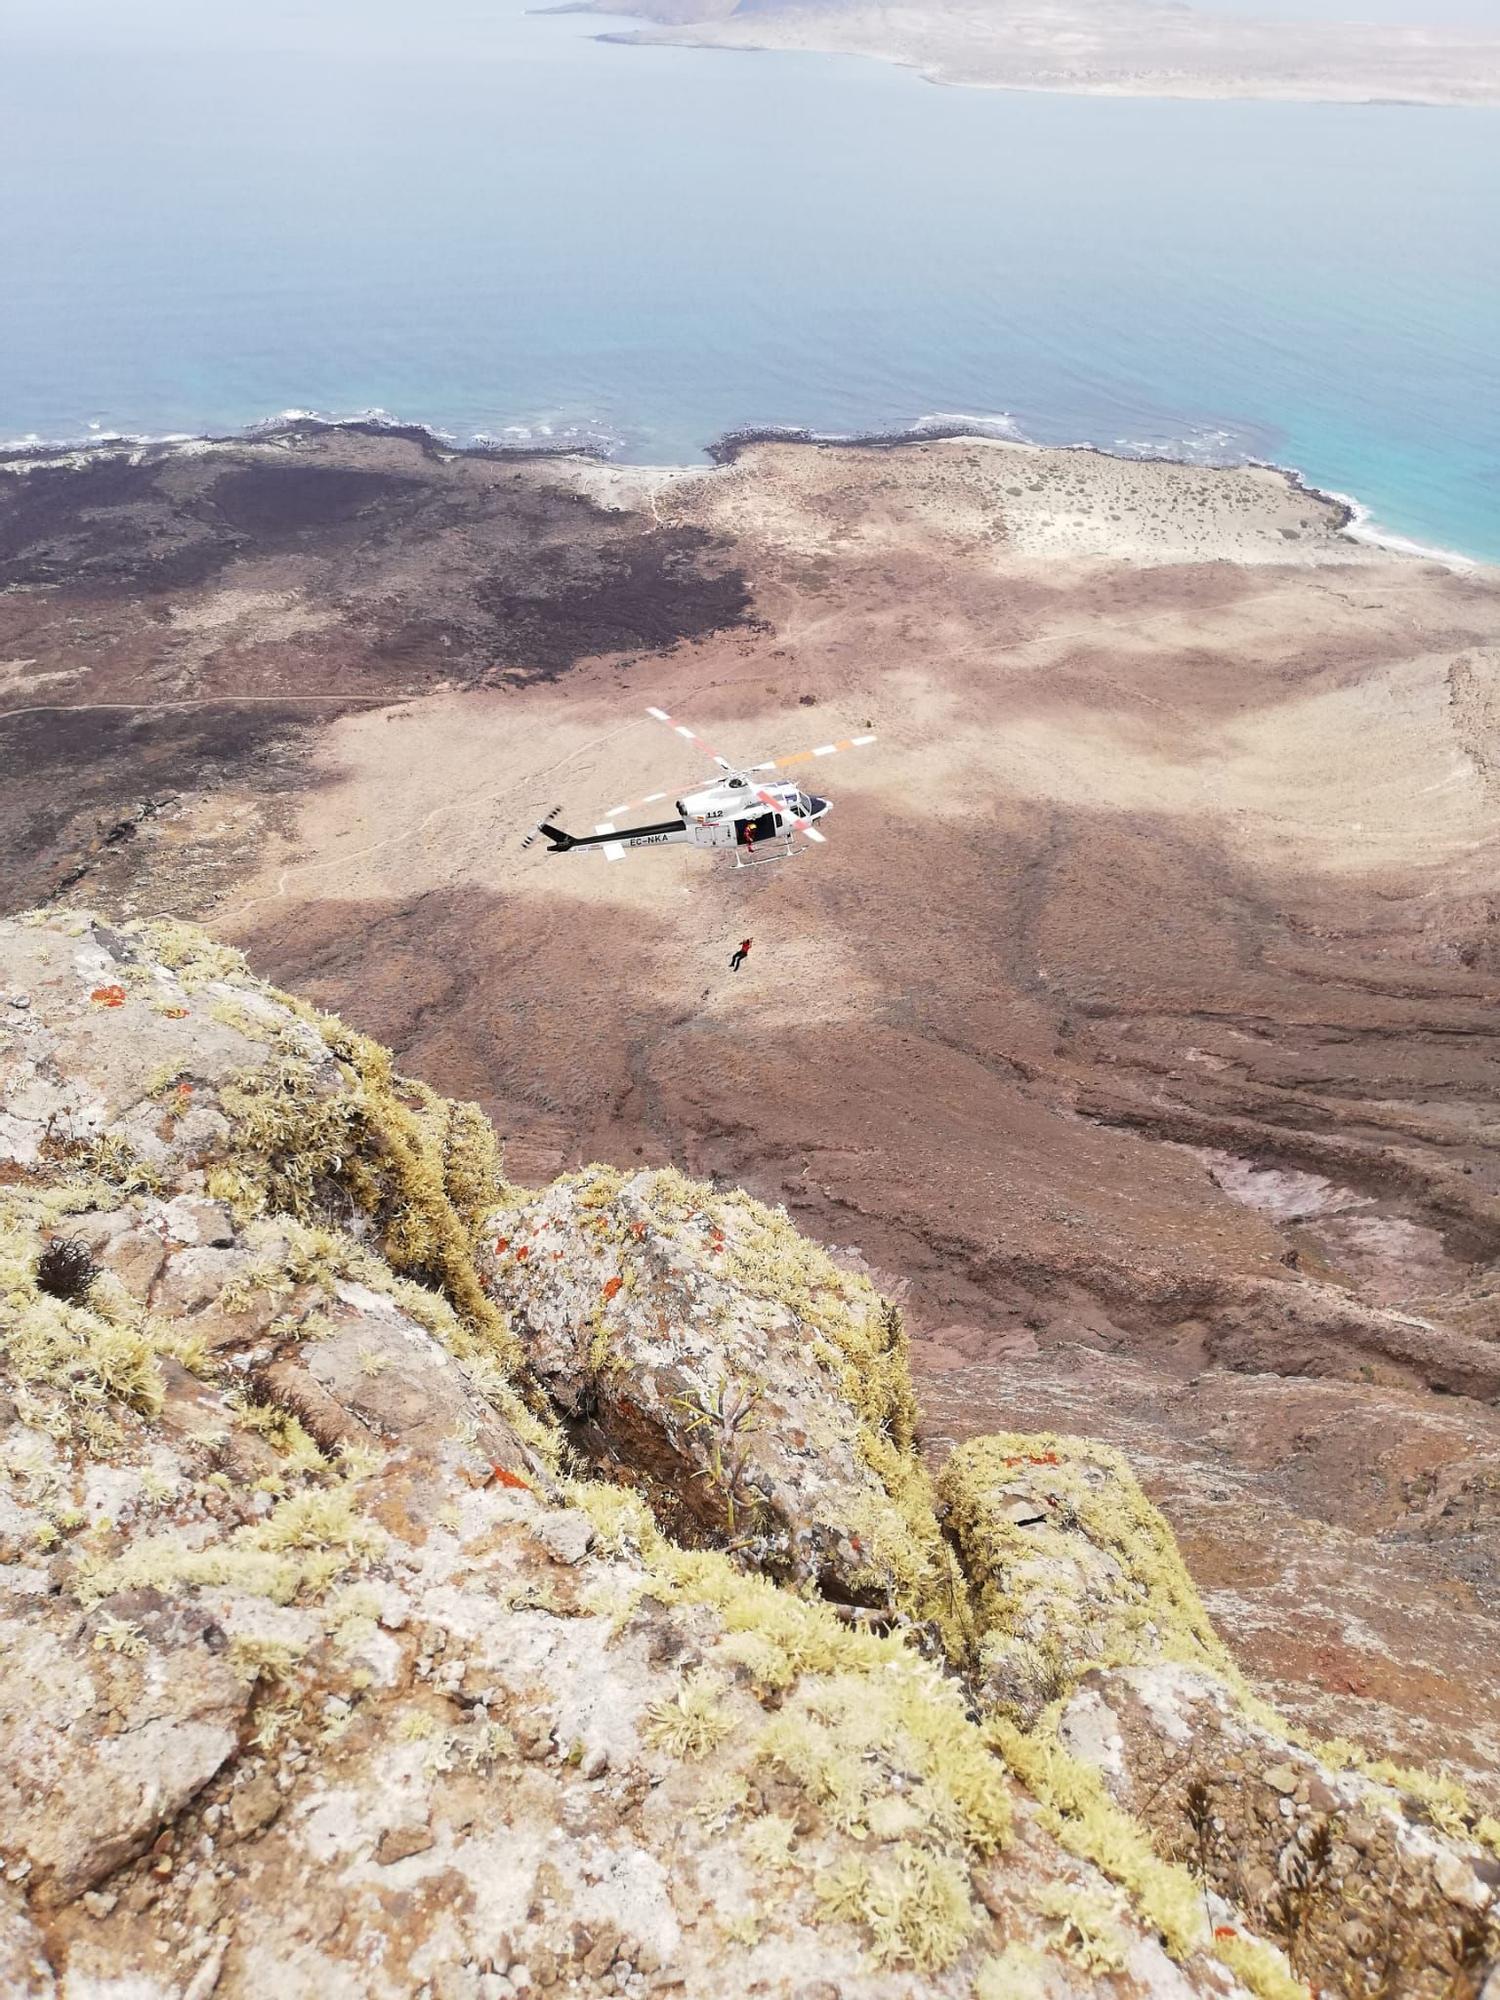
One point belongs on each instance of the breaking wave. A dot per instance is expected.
(1201, 446)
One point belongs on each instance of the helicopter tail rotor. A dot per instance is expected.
(558, 842)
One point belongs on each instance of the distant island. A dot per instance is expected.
(1107, 48)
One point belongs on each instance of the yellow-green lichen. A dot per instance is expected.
(769, 1841)
(192, 954)
(119, 1635)
(850, 1740)
(308, 1134)
(1019, 1973)
(253, 1657)
(1087, 1927)
(861, 1716)
(875, 1740)
(690, 1722)
(1079, 1812)
(1090, 1576)
(91, 1352)
(1437, 1795)
(306, 1542)
(1260, 1967)
(915, 1906)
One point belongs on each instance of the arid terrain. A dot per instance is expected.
(1112, 48)
(1137, 1021)
(414, 1586)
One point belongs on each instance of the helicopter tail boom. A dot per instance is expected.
(611, 839)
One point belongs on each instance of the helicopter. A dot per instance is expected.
(734, 814)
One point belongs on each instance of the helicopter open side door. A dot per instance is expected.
(753, 832)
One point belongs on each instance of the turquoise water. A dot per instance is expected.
(497, 225)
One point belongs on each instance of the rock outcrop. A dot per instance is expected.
(1093, 1641)
(414, 1586)
(756, 1393)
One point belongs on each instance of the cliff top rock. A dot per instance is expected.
(415, 1585)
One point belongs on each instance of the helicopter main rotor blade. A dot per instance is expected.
(808, 756)
(635, 805)
(773, 764)
(693, 737)
(795, 825)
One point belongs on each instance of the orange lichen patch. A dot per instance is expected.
(611, 1286)
(108, 996)
(176, 1013)
(638, 1230)
(502, 1244)
(501, 1476)
(522, 1254)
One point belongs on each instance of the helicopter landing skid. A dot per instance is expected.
(764, 860)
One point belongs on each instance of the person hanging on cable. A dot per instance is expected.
(738, 958)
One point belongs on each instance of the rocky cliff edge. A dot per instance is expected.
(413, 1584)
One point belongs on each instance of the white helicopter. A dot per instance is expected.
(734, 814)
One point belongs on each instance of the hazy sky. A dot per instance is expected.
(469, 25)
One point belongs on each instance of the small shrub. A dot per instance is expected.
(66, 1269)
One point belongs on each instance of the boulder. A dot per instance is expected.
(1071, 1565)
(756, 1393)
(1093, 1639)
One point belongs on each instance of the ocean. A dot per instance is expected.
(495, 224)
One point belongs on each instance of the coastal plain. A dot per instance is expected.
(1135, 1026)
(1106, 48)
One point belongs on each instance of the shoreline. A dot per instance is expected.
(1355, 519)
(1212, 59)
(650, 37)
